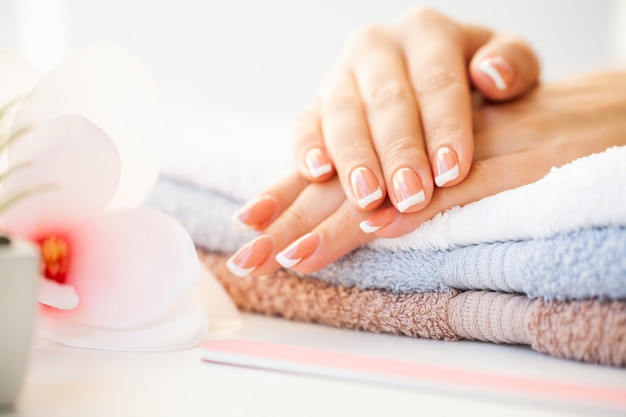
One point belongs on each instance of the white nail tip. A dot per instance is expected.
(286, 262)
(492, 72)
(319, 171)
(365, 201)
(411, 201)
(237, 270)
(367, 228)
(447, 176)
(240, 225)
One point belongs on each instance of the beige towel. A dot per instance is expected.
(589, 330)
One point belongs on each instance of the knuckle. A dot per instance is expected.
(400, 149)
(423, 15)
(438, 79)
(366, 35)
(355, 150)
(294, 220)
(400, 144)
(338, 221)
(444, 128)
(337, 101)
(305, 127)
(387, 93)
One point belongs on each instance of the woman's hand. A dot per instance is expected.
(393, 117)
(516, 143)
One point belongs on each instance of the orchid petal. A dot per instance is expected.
(53, 294)
(182, 327)
(129, 267)
(80, 168)
(107, 86)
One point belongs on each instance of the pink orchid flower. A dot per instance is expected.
(113, 276)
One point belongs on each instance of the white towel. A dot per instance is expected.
(588, 192)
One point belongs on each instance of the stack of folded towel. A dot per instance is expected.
(543, 265)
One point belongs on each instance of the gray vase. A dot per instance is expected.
(19, 270)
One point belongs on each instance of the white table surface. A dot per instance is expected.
(68, 382)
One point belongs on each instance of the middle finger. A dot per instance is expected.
(393, 118)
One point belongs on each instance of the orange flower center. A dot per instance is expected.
(55, 255)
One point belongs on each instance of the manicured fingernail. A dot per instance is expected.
(447, 165)
(379, 220)
(255, 213)
(298, 250)
(317, 162)
(250, 256)
(407, 189)
(365, 186)
(499, 70)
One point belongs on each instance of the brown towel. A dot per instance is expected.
(589, 330)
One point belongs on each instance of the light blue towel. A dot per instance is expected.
(575, 265)
(590, 262)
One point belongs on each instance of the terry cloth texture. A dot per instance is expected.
(584, 330)
(571, 265)
(542, 265)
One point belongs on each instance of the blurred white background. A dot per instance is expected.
(265, 57)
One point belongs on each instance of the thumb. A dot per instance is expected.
(505, 67)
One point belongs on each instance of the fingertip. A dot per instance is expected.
(494, 77)
(256, 213)
(504, 68)
(446, 169)
(409, 192)
(317, 165)
(366, 189)
(389, 223)
(333, 243)
(499, 71)
(379, 220)
(450, 165)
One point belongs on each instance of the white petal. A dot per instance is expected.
(129, 267)
(182, 327)
(56, 295)
(80, 164)
(107, 86)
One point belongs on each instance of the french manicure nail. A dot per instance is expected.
(447, 165)
(298, 250)
(250, 256)
(365, 186)
(407, 189)
(379, 220)
(255, 212)
(499, 70)
(317, 162)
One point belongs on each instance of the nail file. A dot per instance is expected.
(371, 369)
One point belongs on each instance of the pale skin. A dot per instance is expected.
(398, 103)
(512, 143)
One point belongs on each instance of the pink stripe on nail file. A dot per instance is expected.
(319, 362)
